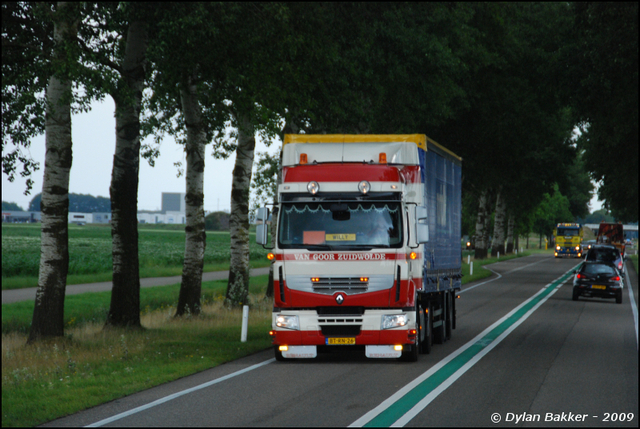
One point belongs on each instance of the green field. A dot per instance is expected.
(161, 251)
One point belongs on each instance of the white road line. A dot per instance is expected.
(499, 275)
(480, 284)
(524, 266)
(402, 421)
(632, 299)
(438, 366)
(177, 395)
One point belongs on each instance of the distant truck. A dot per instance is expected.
(612, 233)
(568, 237)
(367, 246)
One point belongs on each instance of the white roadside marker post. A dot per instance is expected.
(245, 322)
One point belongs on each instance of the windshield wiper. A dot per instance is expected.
(353, 247)
(316, 247)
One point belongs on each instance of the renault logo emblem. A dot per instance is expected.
(339, 299)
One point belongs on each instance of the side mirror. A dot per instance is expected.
(422, 228)
(262, 229)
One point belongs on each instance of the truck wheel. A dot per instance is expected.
(278, 354)
(411, 355)
(439, 331)
(449, 313)
(453, 309)
(426, 329)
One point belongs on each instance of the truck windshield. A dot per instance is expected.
(327, 225)
(568, 231)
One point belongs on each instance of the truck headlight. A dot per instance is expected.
(394, 321)
(288, 322)
(313, 187)
(364, 187)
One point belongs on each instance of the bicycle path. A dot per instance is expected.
(17, 295)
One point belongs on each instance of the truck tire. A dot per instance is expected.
(412, 354)
(449, 320)
(453, 309)
(278, 354)
(426, 329)
(439, 336)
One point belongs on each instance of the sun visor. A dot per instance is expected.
(396, 152)
(316, 152)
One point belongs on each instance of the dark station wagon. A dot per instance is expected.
(606, 254)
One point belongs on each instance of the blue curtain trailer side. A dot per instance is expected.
(442, 271)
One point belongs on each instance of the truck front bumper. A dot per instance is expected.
(567, 251)
(344, 330)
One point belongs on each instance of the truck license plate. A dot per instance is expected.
(340, 341)
(598, 287)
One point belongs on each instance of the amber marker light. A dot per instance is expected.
(315, 279)
(303, 158)
(413, 255)
(397, 348)
(382, 158)
(364, 279)
(271, 256)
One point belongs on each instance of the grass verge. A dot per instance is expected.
(90, 365)
(479, 272)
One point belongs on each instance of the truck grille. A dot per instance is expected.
(340, 331)
(329, 285)
(340, 319)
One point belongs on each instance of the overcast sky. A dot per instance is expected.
(93, 148)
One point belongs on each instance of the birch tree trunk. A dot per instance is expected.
(510, 226)
(481, 242)
(498, 226)
(195, 236)
(125, 295)
(238, 286)
(48, 312)
(487, 222)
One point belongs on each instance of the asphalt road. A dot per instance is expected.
(15, 295)
(523, 353)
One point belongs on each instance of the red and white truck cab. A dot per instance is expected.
(353, 226)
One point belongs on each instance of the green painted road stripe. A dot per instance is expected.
(400, 410)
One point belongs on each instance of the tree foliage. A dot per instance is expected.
(11, 206)
(604, 83)
(27, 44)
(81, 203)
(553, 209)
(217, 221)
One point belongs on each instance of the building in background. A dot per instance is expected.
(173, 210)
(21, 217)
